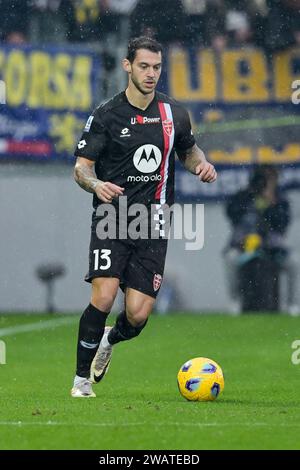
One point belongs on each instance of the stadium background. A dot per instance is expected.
(222, 59)
(232, 63)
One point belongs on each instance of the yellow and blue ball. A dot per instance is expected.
(200, 379)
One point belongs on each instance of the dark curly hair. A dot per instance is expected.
(142, 42)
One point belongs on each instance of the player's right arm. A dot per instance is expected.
(92, 145)
(85, 176)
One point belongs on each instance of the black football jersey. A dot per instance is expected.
(135, 148)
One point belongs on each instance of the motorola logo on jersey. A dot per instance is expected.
(144, 120)
(147, 158)
(144, 178)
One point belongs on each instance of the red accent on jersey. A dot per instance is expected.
(163, 115)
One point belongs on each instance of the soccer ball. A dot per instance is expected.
(200, 379)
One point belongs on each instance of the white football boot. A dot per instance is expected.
(82, 389)
(100, 364)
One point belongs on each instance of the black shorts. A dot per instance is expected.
(138, 264)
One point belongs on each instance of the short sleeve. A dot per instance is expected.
(184, 134)
(93, 139)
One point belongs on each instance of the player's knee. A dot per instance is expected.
(137, 317)
(103, 302)
(104, 292)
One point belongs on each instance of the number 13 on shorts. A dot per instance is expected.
(105, 256)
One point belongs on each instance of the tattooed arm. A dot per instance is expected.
(85, 176)
(194, 161)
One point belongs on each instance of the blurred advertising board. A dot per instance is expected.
(244, 106)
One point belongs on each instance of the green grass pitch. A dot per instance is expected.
(138, 405)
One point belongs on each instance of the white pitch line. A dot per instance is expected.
(198, 425)
(42, 325)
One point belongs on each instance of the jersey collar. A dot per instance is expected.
(135, 107)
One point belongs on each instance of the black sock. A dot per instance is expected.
(123, 330)
(91, 329)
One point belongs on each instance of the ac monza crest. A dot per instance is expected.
(157, 279)
(168, 126)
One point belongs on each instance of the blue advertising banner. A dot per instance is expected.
(245, 109)
(49, 94)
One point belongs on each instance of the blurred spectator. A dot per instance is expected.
(215, 25)
(88, 16)
(245, 20)
(238, 28)
(272, 24)
(205, 23)
(123, 7)
(283, 24)
(52, 21)
(114, 34)
(117, 16)
(195, 22)
(259, 217)
(98, 19)
(14, 21)
(164, 21)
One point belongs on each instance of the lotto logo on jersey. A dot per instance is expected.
(144, 120)
(81, 144)
(147, 158)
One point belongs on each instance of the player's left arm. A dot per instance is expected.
(195, 161)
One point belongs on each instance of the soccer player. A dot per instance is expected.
(127, 150)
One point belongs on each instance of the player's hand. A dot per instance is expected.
(206, 172)
(106, 191)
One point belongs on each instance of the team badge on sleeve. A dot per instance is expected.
(157, 279)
